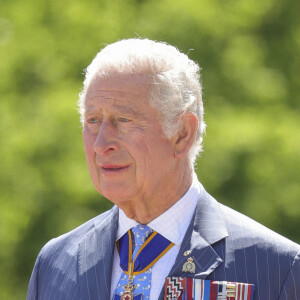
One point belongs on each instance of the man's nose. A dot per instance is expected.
(106, 139)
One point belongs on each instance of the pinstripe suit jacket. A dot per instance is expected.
(225, 245)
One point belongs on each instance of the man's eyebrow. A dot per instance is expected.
(89, 109)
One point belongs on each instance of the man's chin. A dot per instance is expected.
(118, 196)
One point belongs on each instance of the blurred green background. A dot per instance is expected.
(249, 53)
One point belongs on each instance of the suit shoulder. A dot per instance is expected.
(249, 231)
(70, 240)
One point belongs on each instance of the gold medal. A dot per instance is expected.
(128, 294)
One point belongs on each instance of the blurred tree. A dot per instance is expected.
(249, 52)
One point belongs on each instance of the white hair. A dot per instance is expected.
(174, 81)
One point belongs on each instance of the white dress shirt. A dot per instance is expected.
(172, 224)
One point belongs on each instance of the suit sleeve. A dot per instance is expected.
(32, 293)
(291, 286)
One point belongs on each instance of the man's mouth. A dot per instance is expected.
(114, 168)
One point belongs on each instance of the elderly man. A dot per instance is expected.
(166, 237)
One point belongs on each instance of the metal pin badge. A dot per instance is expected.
(187, 252)
(189, 266)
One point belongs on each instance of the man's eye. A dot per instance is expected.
(123, 120)
(93, 120)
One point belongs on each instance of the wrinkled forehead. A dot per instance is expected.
(135, 85)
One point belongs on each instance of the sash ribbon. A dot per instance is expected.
(149, 253)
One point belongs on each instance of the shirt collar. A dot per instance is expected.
(173, 223)
(124, 224)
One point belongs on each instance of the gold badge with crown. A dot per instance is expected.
(189, 266)
(128, 294)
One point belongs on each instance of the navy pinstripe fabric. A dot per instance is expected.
(225, 245)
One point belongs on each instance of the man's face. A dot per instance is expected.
(128, 158)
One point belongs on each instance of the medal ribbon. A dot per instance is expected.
(150, 252)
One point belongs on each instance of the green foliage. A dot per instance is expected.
(249, 53)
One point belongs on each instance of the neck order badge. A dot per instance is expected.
(135, 280)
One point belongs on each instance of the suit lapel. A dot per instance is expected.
(207, 227)
(96, 258)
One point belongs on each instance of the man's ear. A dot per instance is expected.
(185, 137)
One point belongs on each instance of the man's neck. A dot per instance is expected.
(147, 210)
